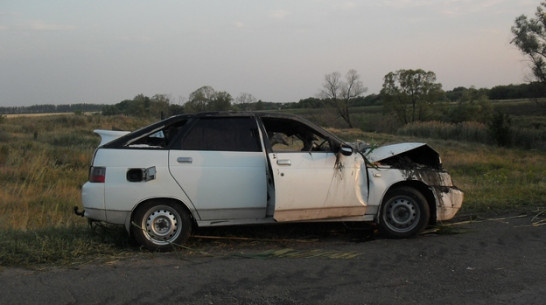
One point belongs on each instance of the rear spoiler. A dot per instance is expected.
(109, 135)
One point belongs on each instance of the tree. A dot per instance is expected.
(456, 93)
(310, 102)
(245, 101)
(245, 98)
(409, 94)
(142, 106)
(199, 99)
(160, 106)
(499, 128)
(473, 105)
(221, 101)
(207, 99)
(341, 93)
(530, 38)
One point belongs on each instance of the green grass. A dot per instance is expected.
(496, 178)
(44, 162)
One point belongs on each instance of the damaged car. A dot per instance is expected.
(218, 169)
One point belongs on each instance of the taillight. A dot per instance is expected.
(97, 174)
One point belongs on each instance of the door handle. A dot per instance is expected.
(184, 160)
(284, 162)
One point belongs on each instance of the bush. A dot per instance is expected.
(528, 138)
(499, 129)
(465, 131)
(499, 132)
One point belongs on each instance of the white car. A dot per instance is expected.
(214, 169)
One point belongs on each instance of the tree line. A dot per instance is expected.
(408, 95)
(142, 105)
(49, 108)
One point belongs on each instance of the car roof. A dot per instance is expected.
(268, 114)
(259, 114)
(239, 113)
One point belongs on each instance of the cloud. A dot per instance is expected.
(463, 7)
(4, 16)
(238, 24)
(42, 26)
(446, 7)
(403, 4)
(347, 5)
(279, 14)
(143, 39)
(4, 13)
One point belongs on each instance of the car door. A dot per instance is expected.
(311, 180)
(221, 166)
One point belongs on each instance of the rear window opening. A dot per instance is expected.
(157, 136)
(161, 138)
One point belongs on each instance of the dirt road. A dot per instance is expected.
(492, 261)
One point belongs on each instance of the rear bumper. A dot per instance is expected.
(95, 214)
(94, 205)
(93, 201)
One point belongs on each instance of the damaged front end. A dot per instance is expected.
(420, 162)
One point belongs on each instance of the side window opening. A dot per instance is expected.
(223, 134)
(287, 135)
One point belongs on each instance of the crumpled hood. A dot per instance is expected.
(385, 152)
(401, 155)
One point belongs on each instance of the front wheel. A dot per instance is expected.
(161, 225)
(404, 212)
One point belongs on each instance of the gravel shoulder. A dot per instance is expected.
(494, 260)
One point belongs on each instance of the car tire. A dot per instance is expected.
(404, 212)
(161, 225)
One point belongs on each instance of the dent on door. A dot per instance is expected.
(317, 185)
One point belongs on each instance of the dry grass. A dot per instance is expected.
(43, 163)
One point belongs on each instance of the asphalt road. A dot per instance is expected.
(489, 261)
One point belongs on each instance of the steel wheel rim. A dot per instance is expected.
(162, 225)
(402, 214)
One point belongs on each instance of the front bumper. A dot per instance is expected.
(449, 200)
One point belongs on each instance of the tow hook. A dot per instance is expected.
(78, 212)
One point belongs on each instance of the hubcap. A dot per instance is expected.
(402, 214)
(162, 225)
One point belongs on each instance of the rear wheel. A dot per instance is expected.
(159, 225)
(404, 212)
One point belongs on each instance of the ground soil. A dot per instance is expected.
(486, 260)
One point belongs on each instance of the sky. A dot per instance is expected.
(105, 51)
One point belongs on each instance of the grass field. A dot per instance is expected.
(44, 162)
